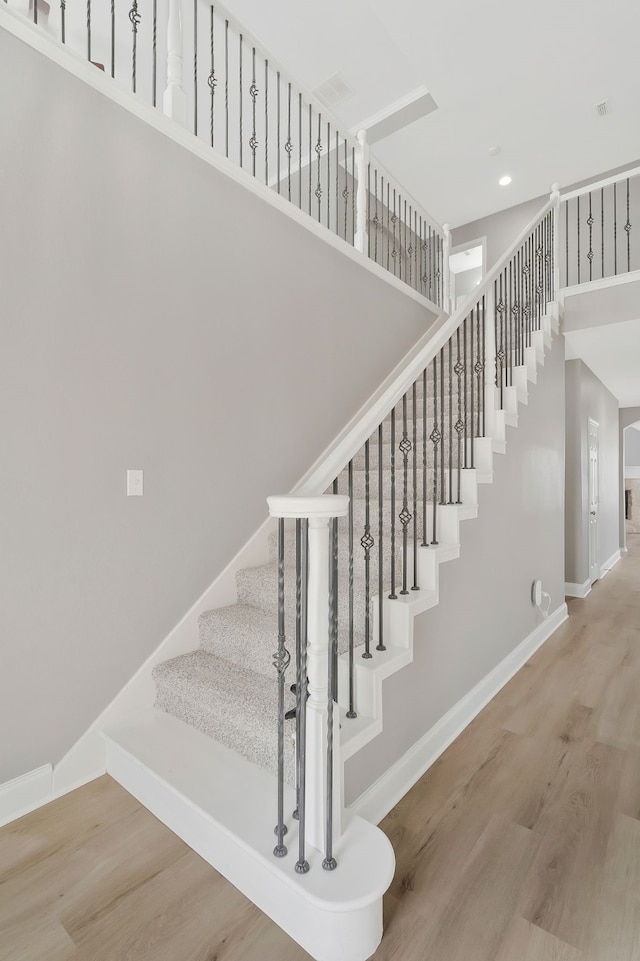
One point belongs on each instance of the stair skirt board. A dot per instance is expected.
(223, 807)
(577, 590)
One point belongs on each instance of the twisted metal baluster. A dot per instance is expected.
(345, 192)
(601, 231)
(35, 19)
(266, 122)
(435, 437)
(442, 428)
(154, 42)
(615, 229)
(367, 542)
(328, 176)
(627, 228)
(415, 491)
(404, 516)
(240, 131)
(459, 424)
(394, 218)
(300, 151)
(278, 126)
(302, 865)
(465, 354)
(450, 501)
(376, 220)
(425, 541)
(281, 660)
(351, 712)
(195, 67)
(393, 596)
(590, 251)
(253, 93)
(472, 378)
(318, 190)
(134, 18)
(63, 6)
(226, 88)
(329, 863)
(380, 645)
(289, 144)
(211, 79)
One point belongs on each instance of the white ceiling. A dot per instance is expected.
(613, 354)
(523, 77)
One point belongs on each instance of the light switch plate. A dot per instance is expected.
(135, 483)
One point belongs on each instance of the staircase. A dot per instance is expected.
(214, 758)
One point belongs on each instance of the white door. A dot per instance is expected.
(594, 566)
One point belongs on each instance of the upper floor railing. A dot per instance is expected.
(207, 72)
(596, 224)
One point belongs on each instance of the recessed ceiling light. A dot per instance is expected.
(505, 181)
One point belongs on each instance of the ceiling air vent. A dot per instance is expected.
(333, 91)
(602, 109)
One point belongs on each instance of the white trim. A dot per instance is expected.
(71, 62)
(631, 473)
(376, 802)
(25, 793)
(616, 179)
(603, 283)
(608, 564)
(577, 590)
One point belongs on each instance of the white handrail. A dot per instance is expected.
(374, 411)
(600, 184)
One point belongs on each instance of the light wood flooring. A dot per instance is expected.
(522, 843)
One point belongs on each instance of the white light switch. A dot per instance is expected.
(135, 486)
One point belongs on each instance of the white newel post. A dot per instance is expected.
(174, 101)
(319, 511)
(447, 304)
(360, 241)
(555, 198)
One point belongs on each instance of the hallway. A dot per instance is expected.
(522, 843)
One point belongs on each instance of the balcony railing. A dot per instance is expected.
(208, 73)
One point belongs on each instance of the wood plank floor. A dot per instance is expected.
(522, 843)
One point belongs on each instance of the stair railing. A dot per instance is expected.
(212, 76)
(596, 225)
(395, 482)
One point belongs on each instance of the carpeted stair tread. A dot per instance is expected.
(234, 705)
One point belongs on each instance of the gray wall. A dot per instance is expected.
(500, 229)
(587, 397)
(154, 314)
(627, 416)
(632, 447)
(485, 607)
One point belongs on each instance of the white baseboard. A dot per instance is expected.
(577, 590)
(25, 793)
(376, 802)
(608, 564)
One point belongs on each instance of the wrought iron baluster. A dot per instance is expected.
(442, 429)
(300, 151)
(63, 7)
(345, 192)
(367, 542)
(459, 370)
(627, 228)
(302, 575)
(415, 488)
(328, 176)
(590, 251)
(310, 155)
(154, 51)
(482, 348)
(211, 79)
(394, 218)
(388, 222)
(240, 98)
(566, 243)
(329, 863)
(351, 712)
(368, 210)
(410, 247)
(615, 229)
(601, 230)
(393, 596)
(450, 432)
(380, 646)
(134, 18)
(63, 27)
(424, 458)
(416, 246)
(226, 88)
(404, 515)
(472, 377)
(289, 143)
(500, 355)
(375, 217)
(430, 265)
(337, 185)
(266, 122)
(281, 660)
(35, 20)
(278, 119)
(434, 437)
(195, 67)
(509, 331)
(318, 155)
(353, 194)
(253, 93)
